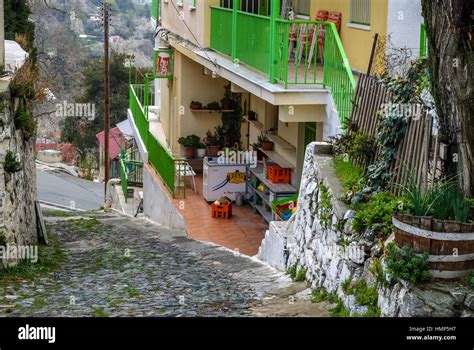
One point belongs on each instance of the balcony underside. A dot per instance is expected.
(257, 82)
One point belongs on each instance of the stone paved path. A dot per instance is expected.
(116, 266)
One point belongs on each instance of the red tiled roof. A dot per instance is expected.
(115, 137)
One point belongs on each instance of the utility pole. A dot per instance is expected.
(106, 95)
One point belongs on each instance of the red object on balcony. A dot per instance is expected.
(221, 211)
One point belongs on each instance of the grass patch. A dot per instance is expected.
(59, 213)
(85, 225)
(100, 312)
(347, 173)
(365, 296)
(50, 258)
(320, 295)
(132, 293)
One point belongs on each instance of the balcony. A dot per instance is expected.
(302, 53)
(159, 156)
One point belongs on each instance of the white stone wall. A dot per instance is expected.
(332, 253)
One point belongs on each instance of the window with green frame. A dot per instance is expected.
(192, 4)
(360, 12)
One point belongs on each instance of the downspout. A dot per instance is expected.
(108, 193)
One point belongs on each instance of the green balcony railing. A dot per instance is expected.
(253, 46)
(221, 23)
(290, 52)
(423, 41)
(160, 157)
(154, 9)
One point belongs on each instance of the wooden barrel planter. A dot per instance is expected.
(450, 244)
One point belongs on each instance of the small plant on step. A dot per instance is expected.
(325, 206)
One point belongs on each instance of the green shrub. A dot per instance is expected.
(25, 122)
(377, 214)
(300, 275)
(11, 165)
(365, 296)
(469, 279)
(292, 270)
(404, 264)
(325, 206)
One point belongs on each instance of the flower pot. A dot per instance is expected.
(196, 106)
(189, 152)
(214, 150)
(268, 145)
(201, 152)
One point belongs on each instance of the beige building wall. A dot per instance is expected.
(198, 20)
(357, 42)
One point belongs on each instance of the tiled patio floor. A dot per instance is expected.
(244, 231)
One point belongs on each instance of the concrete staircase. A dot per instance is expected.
(274, 247)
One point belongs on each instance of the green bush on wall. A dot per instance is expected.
(11, 165)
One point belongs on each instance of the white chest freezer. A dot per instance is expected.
(222, 180)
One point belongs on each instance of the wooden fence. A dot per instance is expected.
(416, 153)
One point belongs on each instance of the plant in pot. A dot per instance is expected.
(265, 142)
(201, 150)
(438, 221)
(213, 106)
(213, 141)
(195, 105)
(190, 143)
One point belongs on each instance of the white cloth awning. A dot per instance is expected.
(126, 129)
(15, 56)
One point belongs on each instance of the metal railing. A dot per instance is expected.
(131, 174)
(159, 156)
(423, 41)
(287, 51)
(154, 9)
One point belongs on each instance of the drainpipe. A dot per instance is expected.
(108, 192)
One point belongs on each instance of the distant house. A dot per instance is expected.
(118, 140)
(69, 153)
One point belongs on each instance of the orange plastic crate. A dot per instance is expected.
(221, 211)
(278, 175)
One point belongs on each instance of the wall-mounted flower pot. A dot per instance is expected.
(214, 150)
(201, 152)
(268, 145)
(195, 106)
(189, 152)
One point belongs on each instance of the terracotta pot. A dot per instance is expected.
(214, 150)
(268, 145)
(196, 106)
(189, 152)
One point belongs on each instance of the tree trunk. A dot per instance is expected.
(449, 26)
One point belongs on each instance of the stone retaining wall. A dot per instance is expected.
(331, 252)
(17, 190)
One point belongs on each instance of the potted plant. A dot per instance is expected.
(213, 106)
(265, 142)
(201, 150)
(437, 222)
(195, 105)
(213, 142)
(190, 143)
